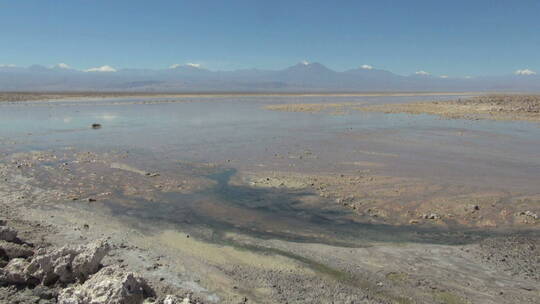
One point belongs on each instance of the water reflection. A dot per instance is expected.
(486, 153)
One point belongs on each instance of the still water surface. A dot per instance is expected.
(238, 131)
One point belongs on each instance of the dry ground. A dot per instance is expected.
(496, 107)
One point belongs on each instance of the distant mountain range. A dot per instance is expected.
(302, 77)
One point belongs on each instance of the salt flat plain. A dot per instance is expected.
(247, 197)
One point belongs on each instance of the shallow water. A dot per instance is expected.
(274, 213)
(237, 133)
(239, 129)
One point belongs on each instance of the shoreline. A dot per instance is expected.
(53, 96)
(491, 107)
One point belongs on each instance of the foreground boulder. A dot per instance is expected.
(110, 285)
(67, 264)
(14, 272)
(41, 276)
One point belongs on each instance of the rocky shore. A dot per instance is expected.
(36, 272)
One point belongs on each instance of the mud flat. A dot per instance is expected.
(218, 250)
(495, 107)
(379, 199)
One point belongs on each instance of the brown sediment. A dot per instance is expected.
(495, 107)
(391, 200)
(370, 197)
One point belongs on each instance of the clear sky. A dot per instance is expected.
(458, 37)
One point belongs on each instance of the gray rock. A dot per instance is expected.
(8, 234)
(14, 272)
(111, 285)
(529, 214)
(13, 250)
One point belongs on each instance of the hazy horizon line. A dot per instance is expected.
(107, 68)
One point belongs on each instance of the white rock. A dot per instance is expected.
(87, 261)
(67, 264)
(531, 214)
(14, 272)
(170, 299)
(110, 285)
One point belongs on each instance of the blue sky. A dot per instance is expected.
(455, 38)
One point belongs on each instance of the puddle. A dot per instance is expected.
(275, 213)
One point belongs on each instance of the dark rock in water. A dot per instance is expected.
(472, 208)
(96, 126)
